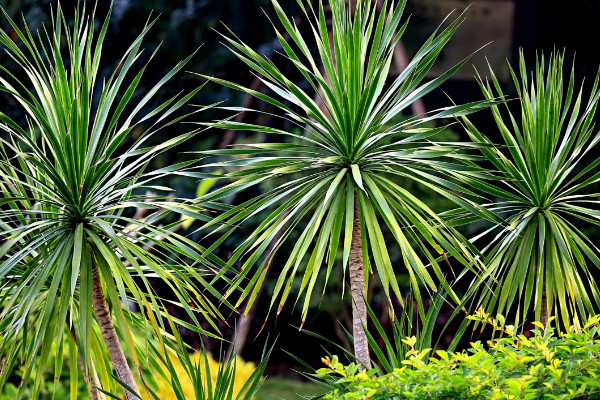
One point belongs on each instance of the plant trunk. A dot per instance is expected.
(544, 307)
(357, 287)
(107, 328)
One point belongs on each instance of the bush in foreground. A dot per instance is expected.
(543, 366)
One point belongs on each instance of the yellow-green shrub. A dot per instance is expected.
(544, 366)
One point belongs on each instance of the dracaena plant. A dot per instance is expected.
(345, 160)
(543, 259)
(73, 255)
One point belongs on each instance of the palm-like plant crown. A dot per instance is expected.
(543, 257)
(347, 141)
(67, 184)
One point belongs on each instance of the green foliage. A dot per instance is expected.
(350, 147)
(60, 391)
(513, 367)
(49, 389)
(548, 164)
(71, 180)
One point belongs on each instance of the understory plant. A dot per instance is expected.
(75, 259)
(198, 376)
(512, 366)
(542, 260)
(175, 371)
(343, 162)
(210, 379)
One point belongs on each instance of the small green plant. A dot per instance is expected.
(513, 366)
(198, 376)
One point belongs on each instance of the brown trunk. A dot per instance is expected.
(544, 307)
(357, 287)
(107, 328)
(92, 381)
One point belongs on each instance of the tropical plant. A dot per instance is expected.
(543, 258)
(513, 367)
(213, 380)
(346, 160)
(73, 254)
(198, 376)
(176, 371)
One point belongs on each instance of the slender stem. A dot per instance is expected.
(357, 288)
(544, 307)
(109, 334)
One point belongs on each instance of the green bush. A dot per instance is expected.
(543, 366)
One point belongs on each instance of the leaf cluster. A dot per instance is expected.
(351, 154)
